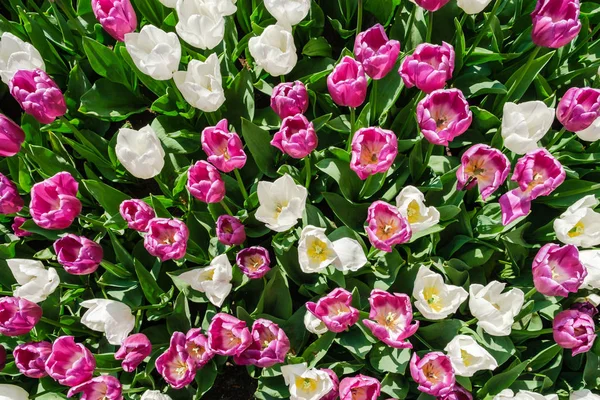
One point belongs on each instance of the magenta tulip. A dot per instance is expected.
(289, 99)
(18, 316)
(269, 345)
(103, 387)
(335, 310)
(360, 387)
(175, 365)
(334, 393)
(197, 347)
(133, 351)
(228, 336)
(54, 204)
(483, 166)
(224, 149)
(137, 214)
(433, 373)
(117, 17)
(431, 5)
(373, 151)
(230, 231)
(557, 270)
(70, 363)
(78, 255)
(555, 22)
(574, 330)
(31, 358)
(254, 261)
(296, 137)
(10, 201)
(386, 226)
(347, 83)
(376, 52)
(11, 137)
(205, 183)
(429, 67)
(579, 108)
(16, 227)
(38, 95)
(166, 238)
(457, 393)
(443, 115)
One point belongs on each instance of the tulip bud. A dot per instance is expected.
(429, 67)
(176, 365)
(133, 351)
(254, 262)
(376, 52)
(269, 345)
(274, 50)
(201, 85)
(296, 137)
(10, 201)
(585, 307)
(78, 255)
(197, 347)
(444, 115)
(70, 363)
(16, 55)
(137, 213)
(289, 99)
(117, 17)
(11, 137)
(288, 12)
(140, 152)
(555, 22)
(230, 231)
(155, 52)
(579, 108)
(472, 7)
(386, 226)
(36, 282)
(495, 311)
(205, 183)
(483, 166)
(558, 270)
(457, 393)
(54, 204)
(525, 124)
(224, 149)
(13, 392)
(347, 83)
(16, 227)
(19, 316)
(434, 363)
(111, 317)
(373, 151)
(106, 386)
(335, 310)
(31, 358)
(368, 387)
(431, 5)
(228, 336)
(166, 238)
(574, 330)
(200, 23)
(38, 95)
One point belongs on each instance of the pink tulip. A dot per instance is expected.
(166, 239)
(197, 347)
(443, 115)
(555, 22)
(429, 67)
(175, 365)
(335, 310)
(133, 351)
(373, 151)
(585, 307)
(269, 345)
(254, 262)
(386, 226)
(390, 318)
(103, 387)
(557, 270)
(228, 336)
(538, 173)
(574, 330)
(224, 149)
(579, 108)
(289, 99)
(457, 393)
(347, 83)
(11, 137)
(230, 231)
(431, 5)
(205, 183)
(77, 254)
(54, 204)
(18, 316)
(296, 137)
(483, 166)
(376, 52)
(433, 373)
(334, 393)
(117, 17)
(38, 95)
(137, 214)
(10, 201)
(70, 363)
(360, 387)
(31, 358)
(16, 227)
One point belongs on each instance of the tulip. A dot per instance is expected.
(254, 262)
(228, 336)
(289, 99)
(580, 224)
(359, 387)
(373, 151)
(435, 299)
(113, 318)
(574, 330)
(472, 7)
(54, 204)
(347, 83)
(200, 24)
(390, 318)
(103, 387)
(495, 311)
(166, 239)
(214, 281)
(429, 67)
(433, 373)
(155, 394)
(555, 22)
(16, 227)
(288, 12)
(154, 52)
(19, 316)
(117, 17)
(224, 149)
(579, 108)
(411, 204)
(36, 282)
(16, 55)
(525, 124)
(11, 137)
(305, 383)
(274, 50)
(168, 4)
(201, 85)
(38, 95)
(296, 137)
(538, 173)
(12, 392)
(583, 394)
(457, 393)
(591, 261)
(591, 133)
(205, 183)
(78, 255)
(314, 324)
(137, 214)
(483, 166)
(176, 365)
(376, 52)
(585, 307)
(30, 358)
(333, 393)
(269, 345)
(443, 115)
(335, 310)
(558, 270)
(281, 203)
(10, 201)
(386, 227)
(196, 345)
(468, 357)
(507, 394)
(133, 351)
(140, 152)
(431, 5)
(70, 363)
(230, 231)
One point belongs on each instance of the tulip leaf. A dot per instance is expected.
(387, 359)
(111, 101)
(109, 198)
(105, 62)
(259, 143)
(502, 380)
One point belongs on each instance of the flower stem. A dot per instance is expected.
(561, 146)
(307, 170)
(530, 294)
(282, 78)
(226, 207)
(240, 183)
(525, 69)
(359, 17)
(352, 122)
(70, 125)
(556, 137)
(484, 30)
(63, 326)
(177, 92)
(374, 102)
(429, 26)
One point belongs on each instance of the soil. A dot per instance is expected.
(233, 384)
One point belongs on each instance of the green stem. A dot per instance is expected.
(374, 101)
(148, 307)
(108, 370)
(429, 27)
(3, 293)
(307, 170)
(63, 326)
(484, 30)
(556, 138)
(240, 182)
(226, 207)
(282, 78)
(471, 322)
(352, 123)
(177, 92)
(411, 22)
(530, 294)
(70, 125)
(72, 18)
(211, 118)
(359, 17)
(135, 390)
(561, 146)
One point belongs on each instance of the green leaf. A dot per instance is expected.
(105, 62)
(259, 143)
(317, 47)
(280, 305)
(150, 287)
(502, 381)
(351, 214)
(317, 350)
(387, 359)
(110, 101)
(109, 198)
(355, 341)
(349, 183)
(179, 320)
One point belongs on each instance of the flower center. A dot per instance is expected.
(577, 230)
(432, 296)
(318, 251)
(413, 212)
(307, 384)
(466, 357)
(432, 373)
(279, 208)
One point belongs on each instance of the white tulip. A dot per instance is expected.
(524, 124)
(288, 12)
(223, 7)
(155, 52)
(579, 224)
(507, 394)
(111, 317)
(435, 299)
(169, 3)
(214, 280)
(316, 252)
(200, 24)
(281, 203)
(411, 203)
(155, 395)
(495, 311)
(140, 152)
(467, 356)
(12, 392)
(591, 261)
(16, 55)
(37, 282)
(274, 50)
(583, 394)
(350, 254)
(591, 133)
(304, 383)
(201, 85)
(314, 324)
(473, 6)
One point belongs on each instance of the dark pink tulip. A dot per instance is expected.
(429, 67)
(31, 358)
(11, 137)
(296, 137)
(224, 149)
(289, 99)
(117, 17)
(574, 330)
(175, 365)
(10, 201)
(334, 393)
(230, 231)
(269, 345)
(347, 83)
(54, 204)
(166, 238)
(18, 316)
(360, 387)
(443, 115)
(555, 22)
(133, 351)
(335, 310)
(103, 387)
(205, 183)
(38, 95)
(557, 270)
(70, 363)
(386, 226)
(437, 365)
(457, 393)
(483, 166)
(373, 151)
(197, 347)
(254, 261)
(16, 227)
(579, 108)
(431, 5)
(228, 336)
(137, 214)
(376, 52)
(77, 254)
(585, 307)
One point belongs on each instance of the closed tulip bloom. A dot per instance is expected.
(289, 99)
(580, 224)
(10, 201)
(373, 151)
(443, 115)
(11, 137)
(133, 351)
(457, 393)
(214, 281)
(200, 23)
(117, 17)
(557, 271)
(525, 124)
(103, 387)
(574, 330)
(230, 231)
(360, 387)
(176, 365)
(269, 345)
(205, 183)
(201, 85)
(140, 152)
(111, 317)
(228, 336)
(473, 7)
(31, 358)
(433, 373)
(579, 112)
(78, 255)
(386, 226)
(434, 298)
(224, 149)
(254, 262)
(274, 50)
(38, 95)
(429, 67)
(166, 239)
(12, 392)
(197, 347)
(585, 307)
(54, 204)
(468, 357)
(347, 83)
(483, 166)
(334, 392)
(555, 22)
(591, 261)
(376, 52)
(314, 324)
(391, 318)
(18, 316)
(16, 55)
(411, 204)
(306, 383)
(137, 214)
(155, 52)
(70, 363)
(155, 394)
(36, 282)
(288, 12)
(296, 137)
(584, 394)
(495, 311)
(281, 203)
(335, 310)
(431, 5)
(16, 227)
